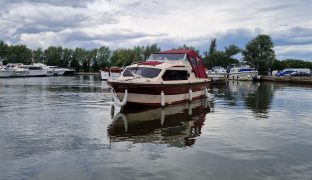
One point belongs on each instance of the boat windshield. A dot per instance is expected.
(141, 71)
(170, 57)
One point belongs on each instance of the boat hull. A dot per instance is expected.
(6, 73)
(105, 75)
(22, 73)
(217, 78)
(150, 94)
(244, 76)
(69, 73)
(38, 73)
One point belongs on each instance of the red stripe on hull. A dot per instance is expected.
(155, 89)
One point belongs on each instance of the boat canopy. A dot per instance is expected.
(167, 57)
(182, 55)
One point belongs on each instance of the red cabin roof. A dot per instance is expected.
(195, 60)
(178, 51)
(151, 63)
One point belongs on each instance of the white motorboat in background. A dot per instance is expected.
(217, 74)
(4, 72)
(18, 70)
(37, 70)
(111, 73)
(243, 72)
(56, 71)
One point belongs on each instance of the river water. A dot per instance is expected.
(66, 128)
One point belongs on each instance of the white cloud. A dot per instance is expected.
(122, 23)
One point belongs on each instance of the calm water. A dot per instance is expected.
(66, 128)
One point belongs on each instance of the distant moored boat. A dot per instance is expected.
(110, 73)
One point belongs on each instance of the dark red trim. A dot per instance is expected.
(151, 63)
(155, 89)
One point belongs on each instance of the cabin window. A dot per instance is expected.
(33, 67)
(141, 71)
(173, 75)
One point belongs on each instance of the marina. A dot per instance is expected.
(155, 90)
(17, 70)
(70, 129)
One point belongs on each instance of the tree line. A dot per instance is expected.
(78, 59)
(258, 53)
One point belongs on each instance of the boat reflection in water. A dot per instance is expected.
(176, 125)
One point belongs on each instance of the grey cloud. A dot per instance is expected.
(83, 44)
(122, 35)
(34, 19)
(72, 3)
(275, 7)
(70, 20)
(307, 56)
(293, 36)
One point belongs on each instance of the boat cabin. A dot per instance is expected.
(167, 77)
(191, 56)
(171, 65)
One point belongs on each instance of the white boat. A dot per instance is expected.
(56, 71)
(37, 70)
(166, 78)
(243, 72)
(217, 74)
(111, 73)
(18, 70)
(4, 73)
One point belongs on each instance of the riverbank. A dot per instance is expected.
(299, 80)
(87, 73)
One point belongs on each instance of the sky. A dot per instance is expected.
(169, 23)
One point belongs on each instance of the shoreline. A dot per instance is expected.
(87, 73)
(294, 79)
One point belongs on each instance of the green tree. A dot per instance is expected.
(19, 54)
(53, 56)
(232, 50)
(213, 47)
(277, 65)
(66, 57)
(103, 56)
(186, 47)
(259, 53)
(37, 55)
(220, 58)
(92, 56)
(148, 50)
(78, 59)
(122, 57)
(139, 53)
(3, 50)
